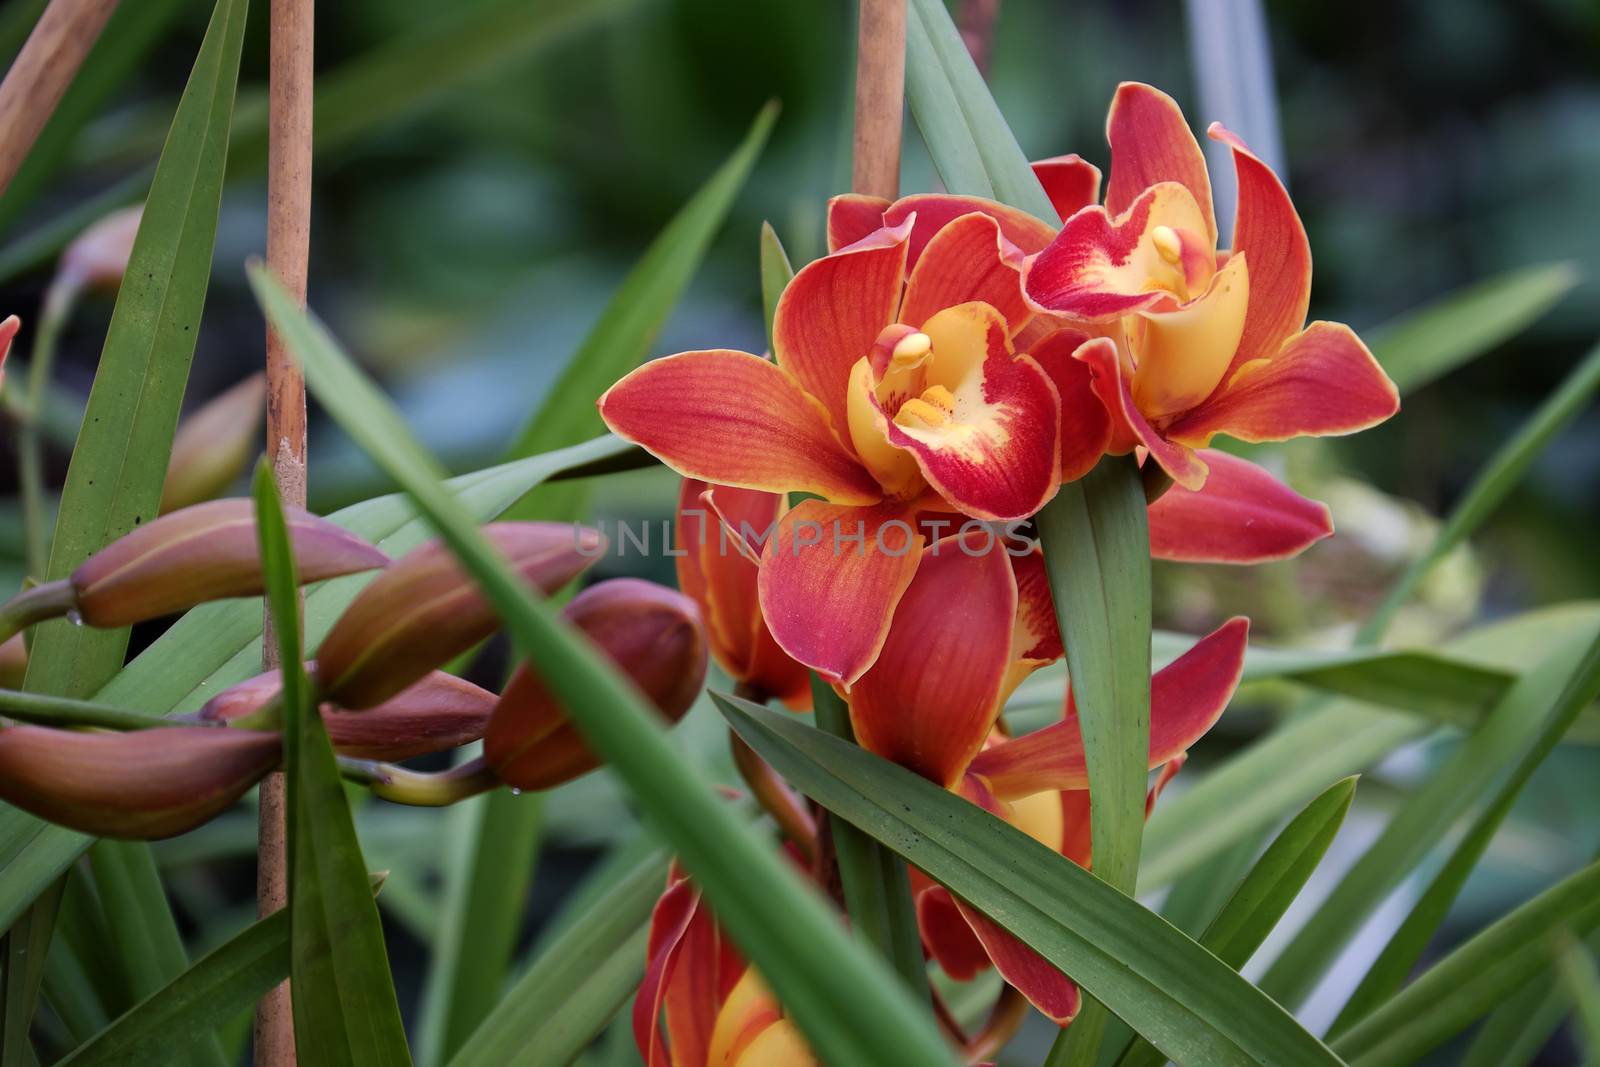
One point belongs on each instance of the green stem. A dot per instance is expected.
(36, 604)
(64, 711)
(877, 885)
(36, 518)
(418, 788)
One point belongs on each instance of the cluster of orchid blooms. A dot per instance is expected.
(934, 380)
(940, 373)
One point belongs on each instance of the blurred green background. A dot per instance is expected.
(462, 251)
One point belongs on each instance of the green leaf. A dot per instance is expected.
(580, 979)
(843, 998)
(1186, 1002)
(120, 462)
(189, 1009)
(1582, 979)
(877, 886)
(1407, 944)
(345, 1011)
(1430, 342)
(937, 54)
(1503, 473)
(631, 321)
(1474, 978)
(1096, 549)
(498, 834)
(1567, 673)
(23, 951)
(776, 273)
(1266, 893)
(143, 931)
(219, 644)
(1516, 1031)
(124, 45)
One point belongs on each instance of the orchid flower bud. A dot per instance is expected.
(424, 610)
(145, 784)
(214, 445)
(206, 552)
(438, 713)
(652, 633)
(99, 257)
(8, 332)
(13, 661)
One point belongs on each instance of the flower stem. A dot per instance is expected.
(419, 788)
(66, 712)
(775, 797)
(37, 522)
(876, 882)
(36, 604)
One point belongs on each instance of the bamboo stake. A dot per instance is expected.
(288, 251)
(43, 69)
(880, 97)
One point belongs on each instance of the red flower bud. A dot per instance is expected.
(652, 633)
(438, 713)
(203, 553)
(145, 784)
(214, 444)
(424, 610)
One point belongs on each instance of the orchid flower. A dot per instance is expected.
(1186, 341)
(896, 388)
(700, 1004)
(969, 628)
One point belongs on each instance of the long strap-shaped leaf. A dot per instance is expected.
(1568, 673)
(186, 1010)
(1474, 978)
(345, 1011)
(120, 462)
(843, 998)
(1186, 1002)
(1260, 900)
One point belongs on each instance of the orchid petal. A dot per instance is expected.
(1186, 698)
(1151, 142)
(734, 418)
(831, 577)
(834, 308)
(852, 217)
(1046, 987)
(1324, 382)
(928, 702)
(1102, 266)
(1071, 182)
(1111, 386)
(670, 923)
(968, 259)
(1241, 515)
(934, 211)
(946, 935)
(1085, 423)
(1268, 230)
(990, 446)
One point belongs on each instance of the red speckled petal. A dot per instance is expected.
(1071, 182)
(934, 211)
(968, 259)
(853, 217)
(1241, 515)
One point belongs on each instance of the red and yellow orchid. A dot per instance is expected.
(714, 524)
(1186, 341)
(896, 389)
(973, 623)
(701, 1004)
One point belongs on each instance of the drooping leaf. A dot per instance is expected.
(119, 464)
(189, 1008)
(1569, 672)
(843, 998)
(345, 1010)
(1189, 1004)
(1426, 344)
(23, 951)
(1407, 944)
(1473, 979)
(579, 980)
(1255, 907)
